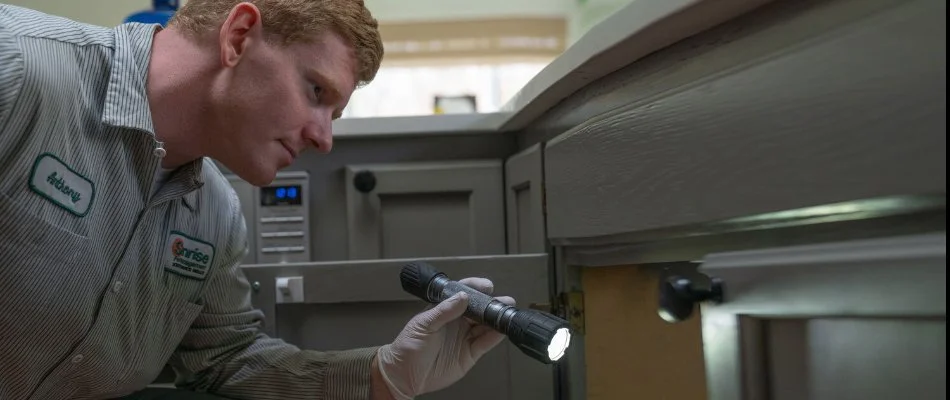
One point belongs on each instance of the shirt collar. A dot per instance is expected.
(126, 102)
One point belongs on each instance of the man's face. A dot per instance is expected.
(276, 101)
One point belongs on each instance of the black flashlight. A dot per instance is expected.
(540, 335)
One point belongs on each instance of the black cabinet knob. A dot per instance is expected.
(679, 294)
(364, 181)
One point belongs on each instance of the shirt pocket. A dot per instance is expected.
(26, 237)
(36, 256)
(41, 276)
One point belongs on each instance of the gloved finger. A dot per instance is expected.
(507, 300)
(478, 331)
(447, 311)
(480, 284)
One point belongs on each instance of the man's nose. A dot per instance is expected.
(321, 137)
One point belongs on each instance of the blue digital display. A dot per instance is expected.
(281, 195)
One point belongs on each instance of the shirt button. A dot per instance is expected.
(117, 286)
(77, 358)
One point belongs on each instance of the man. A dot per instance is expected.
(120, 240)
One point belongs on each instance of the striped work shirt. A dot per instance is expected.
(104, 281)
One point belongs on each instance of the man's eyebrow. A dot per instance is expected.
(325, 82)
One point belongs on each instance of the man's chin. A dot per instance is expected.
(258, 177)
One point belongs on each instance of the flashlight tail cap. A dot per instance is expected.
(415, 278)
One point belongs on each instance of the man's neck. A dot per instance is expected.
(177, 90)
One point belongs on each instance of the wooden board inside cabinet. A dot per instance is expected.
(631, 353)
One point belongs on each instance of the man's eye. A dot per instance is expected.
(317, 90)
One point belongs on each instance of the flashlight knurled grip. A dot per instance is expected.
(435, 287)
(478, 302)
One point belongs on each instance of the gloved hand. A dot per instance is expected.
(438, 346)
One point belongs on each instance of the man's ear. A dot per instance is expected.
(240, 29)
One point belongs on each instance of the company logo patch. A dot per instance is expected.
(62, 185)
(191, 257)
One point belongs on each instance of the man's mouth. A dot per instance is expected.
(293, 154)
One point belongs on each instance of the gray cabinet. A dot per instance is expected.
(351, 304)
(524, 201)
(425, 209)
(859, 319)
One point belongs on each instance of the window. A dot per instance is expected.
(489, 59)
(411, 90)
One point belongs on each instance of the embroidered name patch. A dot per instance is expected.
(62, 185)
(190, 257)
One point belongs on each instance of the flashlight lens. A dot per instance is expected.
(559, 343)
(667, 316)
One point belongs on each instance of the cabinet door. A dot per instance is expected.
(862, 320)
(524, 197)
(352, 304)
(432, 209)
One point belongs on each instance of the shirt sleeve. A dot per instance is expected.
(225, 353)
(11, 69)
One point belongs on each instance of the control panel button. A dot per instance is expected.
(277, 220)
(283, 249)
(282, 234)
(282, 219)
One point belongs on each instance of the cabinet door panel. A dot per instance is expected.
(439, 209)
(524, 197)
(861, 319)
(353, 304)
(829, 358)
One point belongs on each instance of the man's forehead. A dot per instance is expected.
(330, 56)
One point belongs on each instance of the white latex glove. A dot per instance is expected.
(438, 346)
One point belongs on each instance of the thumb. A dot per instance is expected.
(445, 312)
